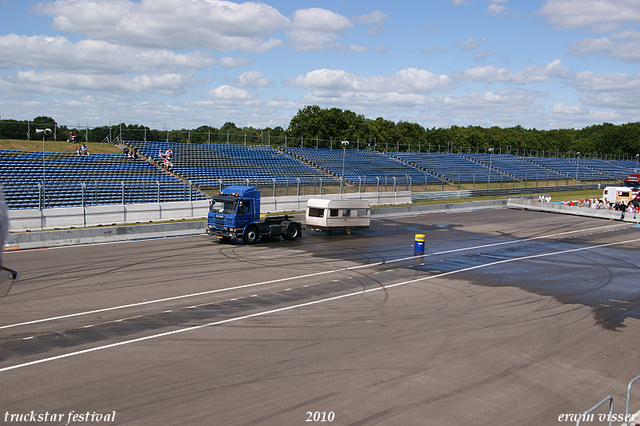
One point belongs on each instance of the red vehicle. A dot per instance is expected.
(633, 182)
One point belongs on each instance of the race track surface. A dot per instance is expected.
(509, 317)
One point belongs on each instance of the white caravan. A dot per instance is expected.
(329, 215)
(612, 194)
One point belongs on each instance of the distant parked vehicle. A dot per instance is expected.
(617, 194)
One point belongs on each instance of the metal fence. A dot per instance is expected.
(91, 193)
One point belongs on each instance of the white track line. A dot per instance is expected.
(368, 265)
(301, 305)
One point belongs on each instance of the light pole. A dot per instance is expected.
(44, 132)
(577, 165)
(489, 177)
(344, 152)
(637, 161)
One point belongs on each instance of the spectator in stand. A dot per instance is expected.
(133, 153)
(125, 151)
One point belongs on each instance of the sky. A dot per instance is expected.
(172, 64)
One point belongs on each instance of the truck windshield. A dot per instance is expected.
(223, 207)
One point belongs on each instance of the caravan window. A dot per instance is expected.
(334, 212)
(346, 213)
(363, 212)
(315, 212)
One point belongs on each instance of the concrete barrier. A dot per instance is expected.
(66, 237)
(120, 214)
(390, 212)
(530, 204)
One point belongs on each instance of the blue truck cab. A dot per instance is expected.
(235, 214)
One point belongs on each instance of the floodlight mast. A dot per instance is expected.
(344, 151)
(44, 132)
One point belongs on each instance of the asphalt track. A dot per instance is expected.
(510, 317)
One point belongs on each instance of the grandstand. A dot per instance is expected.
(453, 167)
(630, 165)
(608, 168)
(214, 165)
(569, 168)
(513, 166)
(68, 180)
(367, 167)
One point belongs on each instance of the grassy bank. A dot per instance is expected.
(57, 146)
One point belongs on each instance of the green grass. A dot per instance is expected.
(57, 146)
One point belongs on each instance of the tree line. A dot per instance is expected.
(313, 126)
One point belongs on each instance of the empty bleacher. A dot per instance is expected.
(514, 166)
(207, 165)
(569, 168)
(68, 180)
(367, 167)
(608, 168)
(453, 167)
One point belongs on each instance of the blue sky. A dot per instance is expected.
(185, 63)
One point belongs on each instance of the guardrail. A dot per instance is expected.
(500, 192)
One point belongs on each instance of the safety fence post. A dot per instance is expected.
(626, 411)
(585, 415)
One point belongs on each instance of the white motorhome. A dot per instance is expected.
(328, 215)
(613, 194)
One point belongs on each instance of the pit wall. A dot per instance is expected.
(122, 214)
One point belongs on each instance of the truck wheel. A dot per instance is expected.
(293, 231)
(251, 235)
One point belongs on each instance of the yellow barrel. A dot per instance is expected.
(419, 242)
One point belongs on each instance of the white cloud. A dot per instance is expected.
(532, 74)
(577, 116)
(495, 9)
(471, 43)
(483, 54)
(624, 46)
(171, 24)
(411, 80)
(229, 62)
(596, 15)
(506, 105)
(19, 51)
(253, 79)
(377, 18)
(383, 101)
(607, 82)
(63, 83)
(230, 93)
(317, 29)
